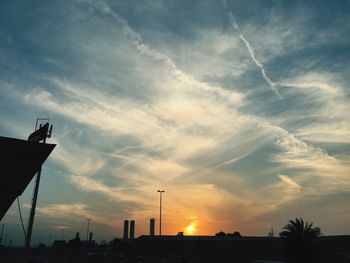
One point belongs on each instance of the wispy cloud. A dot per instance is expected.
(150, 104)
(112, 193)
(74, 211)
(232, 96)
(175, 121)
(290, 183)
(268, 80)
(327, 93)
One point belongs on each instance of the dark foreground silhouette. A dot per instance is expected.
(300, 241)
(20, 160)
(330, 249)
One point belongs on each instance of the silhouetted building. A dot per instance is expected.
(90, 236)
(151, 227)
(126, 229)
(229, 248)
(75, 242)
(132, 229)
(207, 248)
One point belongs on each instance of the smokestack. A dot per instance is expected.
(151, 227)
(132, 229)
(126, 229)
(90, 236)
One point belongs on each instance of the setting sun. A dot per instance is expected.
(190, 229)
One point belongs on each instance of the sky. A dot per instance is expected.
(238, 110)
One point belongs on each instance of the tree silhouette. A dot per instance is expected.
(220, 234)
(299, 230)
(300, 236)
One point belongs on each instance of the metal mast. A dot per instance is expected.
(87, 228)
(160, 211)
(38, 135)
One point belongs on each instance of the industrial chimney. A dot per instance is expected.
(151, 227)
(126, 229)
(132, 229)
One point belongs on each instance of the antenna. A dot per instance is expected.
(271, 232)
(50, 132)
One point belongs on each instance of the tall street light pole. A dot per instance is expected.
(87, 229)
(62, 233)
(160, 211)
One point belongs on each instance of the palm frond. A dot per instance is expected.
(298, 229)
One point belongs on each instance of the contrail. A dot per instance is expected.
(144, 49)
(252, 54)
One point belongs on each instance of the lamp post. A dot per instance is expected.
(160, 211)
(87, 229)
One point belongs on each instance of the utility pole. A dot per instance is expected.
(2, 231)
(160, 211)
(87, 229)
(38, 135)
(62, 233)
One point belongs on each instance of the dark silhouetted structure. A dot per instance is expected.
(19, 161)
(160, 210)
(39, 135)
(230, 248)
(132, 229)
(87, 228)
(126, 229)
(75, 242)
(151, 226)
(182, 248)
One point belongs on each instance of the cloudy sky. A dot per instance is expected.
(239, 110)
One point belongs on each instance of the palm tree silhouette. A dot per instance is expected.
(300, 236)
(299, 230)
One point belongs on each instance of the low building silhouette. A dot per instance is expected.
(226, 248)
